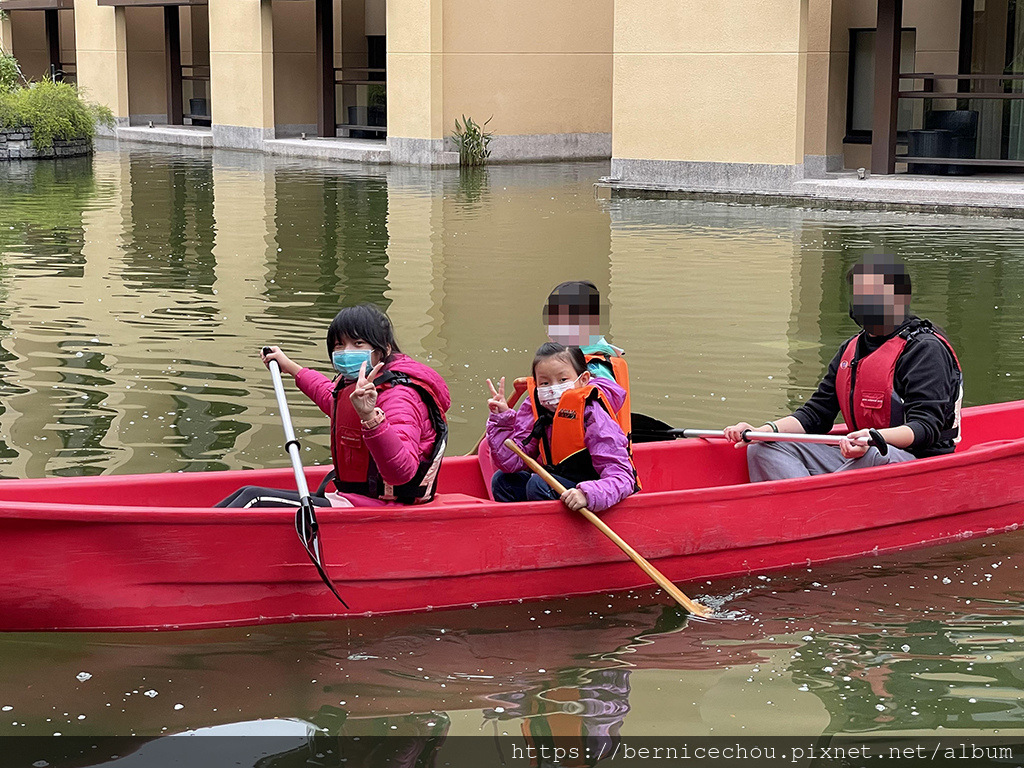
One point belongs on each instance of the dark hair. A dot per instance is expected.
(572, 355)
(580, 296)
(894, 272)
(365, 322)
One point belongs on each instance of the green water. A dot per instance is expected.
(137, 287)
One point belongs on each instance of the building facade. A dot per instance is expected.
(738, 95)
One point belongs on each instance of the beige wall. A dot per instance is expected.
(721, 82)
(102, 55)
(28, 32)
(147, 78)
(242, 52)
(25, 37)
(538, 67)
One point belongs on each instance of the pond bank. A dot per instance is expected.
(1000, 195)
(17, 144)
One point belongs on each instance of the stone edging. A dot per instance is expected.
(16, 144)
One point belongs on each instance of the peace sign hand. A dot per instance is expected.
(364, 395)
(497, 402)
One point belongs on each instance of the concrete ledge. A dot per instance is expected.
(426, 152)
(174, 135)
(953, 195)
(691, 176)
(348, 150)
(550, 146)
(819, 166)
(241, 137)
(979, 197)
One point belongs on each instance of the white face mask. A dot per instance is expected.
(550, 394)
(573, 335)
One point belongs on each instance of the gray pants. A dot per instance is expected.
(781, 461)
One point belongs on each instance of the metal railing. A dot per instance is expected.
(963, 97)
(363, 117)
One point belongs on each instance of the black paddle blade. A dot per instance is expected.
(647, 429)
(309, 533)
(878, 441)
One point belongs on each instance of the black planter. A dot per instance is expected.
(200, 111)
(367, 116)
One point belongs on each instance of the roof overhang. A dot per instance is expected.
(36, 5)
(149, 3)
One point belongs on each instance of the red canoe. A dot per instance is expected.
(76, 556)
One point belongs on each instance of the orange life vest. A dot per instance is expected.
(565, 452)
(621, 373)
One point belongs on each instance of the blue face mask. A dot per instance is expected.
(347, 362)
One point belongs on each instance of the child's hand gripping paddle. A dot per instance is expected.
(659, 578)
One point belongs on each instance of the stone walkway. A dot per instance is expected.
(1002, 194)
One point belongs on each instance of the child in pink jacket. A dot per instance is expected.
(388, 426)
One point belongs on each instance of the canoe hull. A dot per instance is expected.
(97, 566)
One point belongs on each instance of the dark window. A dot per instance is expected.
(377, 55)
(860, 98)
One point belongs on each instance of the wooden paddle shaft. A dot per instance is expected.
(657, 576)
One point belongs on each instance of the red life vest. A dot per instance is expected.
(866, 391)
(354, 468)
(565, 452)
(621, 373)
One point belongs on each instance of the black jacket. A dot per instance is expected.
(927, 380)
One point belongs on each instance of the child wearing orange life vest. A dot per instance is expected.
(569, 423)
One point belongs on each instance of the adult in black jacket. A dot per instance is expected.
(898, 375)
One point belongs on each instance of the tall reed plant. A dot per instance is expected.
(472, 140)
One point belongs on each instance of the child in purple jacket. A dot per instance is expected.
(568, 423)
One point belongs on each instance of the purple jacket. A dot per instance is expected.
(406, 437)
(602, 434)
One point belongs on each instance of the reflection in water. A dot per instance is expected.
(880, 646)
(138, 285)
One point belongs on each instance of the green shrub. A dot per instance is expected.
(472, 141)
(10, 72)
(53, 111)
(377, 96)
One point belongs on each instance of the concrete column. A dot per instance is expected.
(415, 76)
(102, 57)
(6, 39)
(710, 96)
(887, 79)
(828, 62)
(242, 72)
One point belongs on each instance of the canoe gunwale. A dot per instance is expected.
(981, 453)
